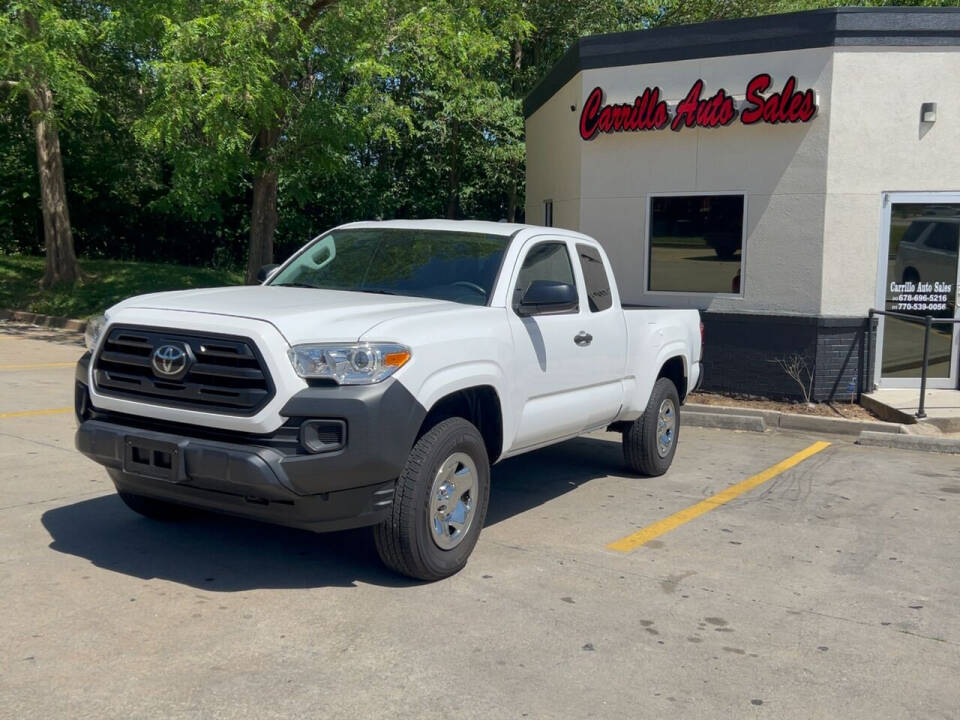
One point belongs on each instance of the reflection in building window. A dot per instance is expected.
(921, 281)
(696, 243)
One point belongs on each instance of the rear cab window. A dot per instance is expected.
(595, 278)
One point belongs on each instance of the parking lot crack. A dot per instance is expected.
(38, 442)
(49, 500)
(864, 623)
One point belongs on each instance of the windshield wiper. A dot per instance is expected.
(378, 291)
(295, 284)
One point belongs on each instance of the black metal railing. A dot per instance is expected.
(927, 321)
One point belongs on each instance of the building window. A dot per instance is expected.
(595, 278)
(548, 213)
(696, 243)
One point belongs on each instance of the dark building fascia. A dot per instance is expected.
(832, 27)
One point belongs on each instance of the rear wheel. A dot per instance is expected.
(650, 441)
(153, 508)
(439, 505)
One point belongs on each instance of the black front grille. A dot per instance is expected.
(226, 374)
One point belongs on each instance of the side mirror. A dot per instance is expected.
(547, 296)
(265, 272)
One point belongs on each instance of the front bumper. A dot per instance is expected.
(266, 477)
(234, 479)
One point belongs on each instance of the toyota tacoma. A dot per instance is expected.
(374, 378)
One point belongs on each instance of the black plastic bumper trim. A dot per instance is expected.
(239, 480)
(238, 473)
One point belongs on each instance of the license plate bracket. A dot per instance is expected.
(151, 458)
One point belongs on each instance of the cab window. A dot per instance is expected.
(545, 261)
(595, 278)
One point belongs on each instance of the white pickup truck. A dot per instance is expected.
(374, 377)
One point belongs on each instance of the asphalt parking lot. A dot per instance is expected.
(829, 590)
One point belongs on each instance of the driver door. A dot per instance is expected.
(552, 378)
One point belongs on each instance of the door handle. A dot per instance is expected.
(583, 338)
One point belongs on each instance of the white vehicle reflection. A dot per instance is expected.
(928, 250)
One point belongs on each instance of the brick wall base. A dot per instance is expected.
(746, 353)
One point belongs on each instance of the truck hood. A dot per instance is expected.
(299, 314)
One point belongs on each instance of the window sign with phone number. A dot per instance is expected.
(921, 297)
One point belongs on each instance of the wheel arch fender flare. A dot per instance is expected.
(466, 376)
(639, 393)
(669, 353)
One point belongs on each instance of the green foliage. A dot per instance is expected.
(441, 122)
(224, 72)
(20, 229)
(109, 282)
(377, 108)
(42, 43)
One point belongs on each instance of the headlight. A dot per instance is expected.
(94, 328)
(355, 364)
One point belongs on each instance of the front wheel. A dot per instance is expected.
(650, 442)
(439, 505)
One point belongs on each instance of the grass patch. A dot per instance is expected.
(108, 282)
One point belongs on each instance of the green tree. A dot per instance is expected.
(464, 134)
(42, 44)
(234, 90)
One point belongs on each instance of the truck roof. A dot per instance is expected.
(471, 226)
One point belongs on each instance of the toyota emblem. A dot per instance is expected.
(169, 361)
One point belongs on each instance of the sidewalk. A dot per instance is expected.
(901, 404)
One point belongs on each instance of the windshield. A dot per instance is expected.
(439, 264)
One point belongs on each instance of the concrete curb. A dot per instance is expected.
(29, 318)
(725, 421)
(925, 443)
(775, 419)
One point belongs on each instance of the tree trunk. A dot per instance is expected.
(263, 222)
(512, 190)
(453, 172)
(263, 210)
(61, 261)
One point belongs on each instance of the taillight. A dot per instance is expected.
(702, 339)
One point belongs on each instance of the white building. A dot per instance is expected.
(818, 177)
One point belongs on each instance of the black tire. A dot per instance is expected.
(404, 540)
(153, 508)
(640, 439)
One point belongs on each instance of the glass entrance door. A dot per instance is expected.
(923, 231)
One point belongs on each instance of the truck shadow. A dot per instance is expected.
(224, 554)
(529, 480)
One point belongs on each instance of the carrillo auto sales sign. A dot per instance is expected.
(649, 111)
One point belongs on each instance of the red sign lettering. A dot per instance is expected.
(649, 111)
(788, 105)
(715, 111)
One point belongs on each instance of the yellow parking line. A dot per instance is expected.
(28, 413)
(645, 535)
(37, 366)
